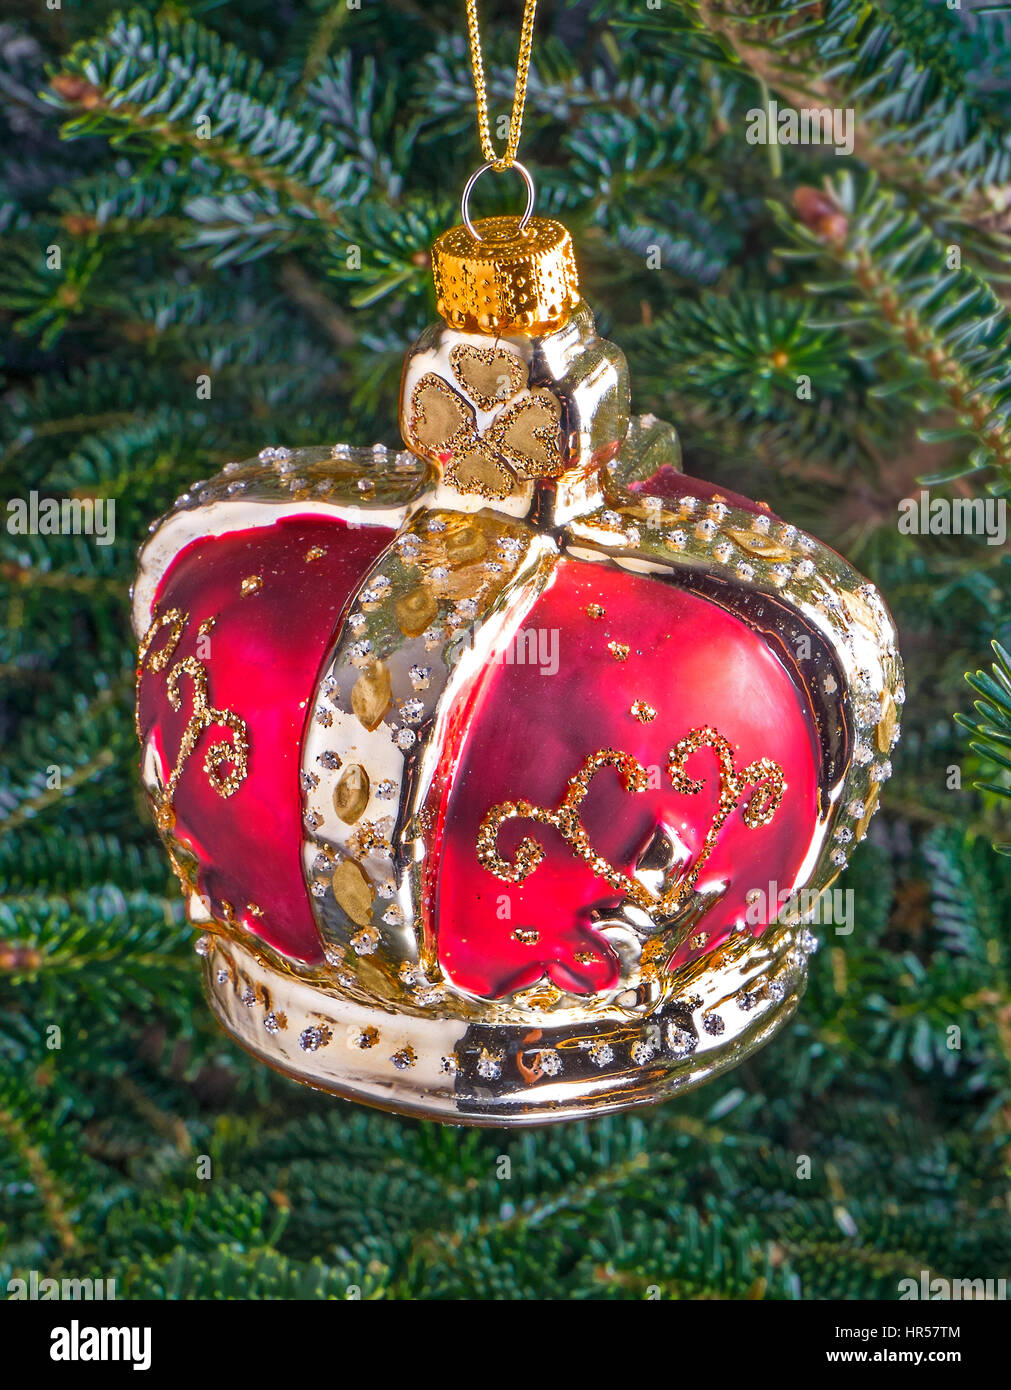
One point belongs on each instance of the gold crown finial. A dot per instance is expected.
(512, 279)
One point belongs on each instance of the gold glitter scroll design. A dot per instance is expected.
(522, 441)
(203, 715)
(764, 775)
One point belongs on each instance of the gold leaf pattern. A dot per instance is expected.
(439, 418)
(351, 794)
(488, 375)
(372, 695)
(527, 434)
(475, 468)
(522, 439)
(354, 892)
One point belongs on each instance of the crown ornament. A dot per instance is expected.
(502, 774)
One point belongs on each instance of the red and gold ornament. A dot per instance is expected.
(502, 774)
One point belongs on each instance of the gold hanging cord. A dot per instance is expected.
(508, 159)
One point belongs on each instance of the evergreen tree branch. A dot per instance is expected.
(947, 325)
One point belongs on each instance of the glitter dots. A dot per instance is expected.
(252, 584)
(404, 1058)
(420, 677)
(365, 942)
(489, 1064)
(360, 653)
(314, 1037)
(642, 711)
(868, 712)
(619, 650)
(681, 1041)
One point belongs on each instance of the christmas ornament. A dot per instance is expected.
(504, 773)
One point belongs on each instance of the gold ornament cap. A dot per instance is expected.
(512, 279)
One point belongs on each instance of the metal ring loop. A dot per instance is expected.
(465, 200)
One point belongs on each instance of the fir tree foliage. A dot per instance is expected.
(249, 193)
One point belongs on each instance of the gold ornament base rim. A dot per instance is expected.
(510, 1074)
